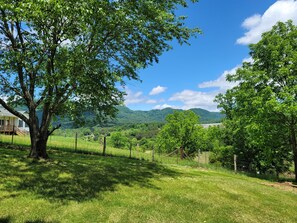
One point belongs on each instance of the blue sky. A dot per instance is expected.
(190, 76)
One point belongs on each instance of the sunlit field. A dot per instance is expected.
(69, 144)
(73, 187)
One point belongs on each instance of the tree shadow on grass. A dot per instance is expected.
(8, 220)
(5, 220)
(73, 177)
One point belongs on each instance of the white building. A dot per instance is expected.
(11, 124)
(211, 125)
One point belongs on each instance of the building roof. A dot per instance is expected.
(4, 112)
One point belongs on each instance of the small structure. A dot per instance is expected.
(211, 125)
(11, 124)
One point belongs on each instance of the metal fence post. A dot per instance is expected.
(104, 146)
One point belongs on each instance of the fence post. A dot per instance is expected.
(104, 145)
(198, 157)
(235, 163)
(137, 151)
(153, 154)
(130, 148)
(181, 153)
(12, 134)
(160, 155)
(75, 146)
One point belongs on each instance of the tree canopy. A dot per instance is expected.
(181, 131)
(262, 109)
(69, 56)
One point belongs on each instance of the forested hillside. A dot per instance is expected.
(128, 116)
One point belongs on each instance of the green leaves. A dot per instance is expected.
(69, 56)
(180, 131)
(263, 107)
(65, 50)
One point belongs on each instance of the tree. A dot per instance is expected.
(262, 109)
(180, 131)
(118, 140)
(69, 56)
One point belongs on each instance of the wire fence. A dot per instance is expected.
(81, 145)
(197, 159)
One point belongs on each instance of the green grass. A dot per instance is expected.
(87, 188)
(68, 144)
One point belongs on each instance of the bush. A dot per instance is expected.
(222, 155)
(118, 140)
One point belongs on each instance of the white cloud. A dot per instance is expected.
(221, 83)
(248, 60)
(159, 107)
(189, 98)
(196, 99)
(133, 97)
(282, 10)
(205, 100)
(137, 98)
(157, 90)
(252, 21)
(150, 101)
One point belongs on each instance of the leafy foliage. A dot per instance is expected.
(69, 56)
(261, 111)
(118, 140)
(180, 131)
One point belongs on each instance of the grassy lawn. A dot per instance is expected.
(88, 188)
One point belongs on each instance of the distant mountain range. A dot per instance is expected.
(126, 115)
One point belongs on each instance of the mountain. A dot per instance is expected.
(126, 115)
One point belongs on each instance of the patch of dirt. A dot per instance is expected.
(287, 186)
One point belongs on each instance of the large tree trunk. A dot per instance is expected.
(34, 138)
(41, 146)
(38, 145)
(38, 136)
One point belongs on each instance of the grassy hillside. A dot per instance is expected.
(86, 188)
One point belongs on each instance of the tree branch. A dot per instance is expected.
(54, 129)
(8, 85)
(9, 35)
(20, 35)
